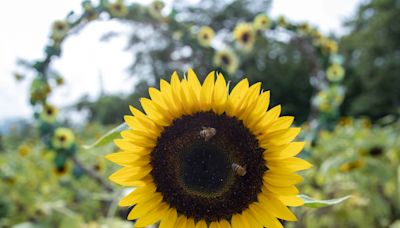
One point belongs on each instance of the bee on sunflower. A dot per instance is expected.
(203, 156)
(261, 22)
(205, 36)
(245, 36)
(227, 60)
(118, 9)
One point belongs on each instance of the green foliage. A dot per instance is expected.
(314, 203)
(373, 60)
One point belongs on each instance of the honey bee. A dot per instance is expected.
(238, 169)
(207, 133)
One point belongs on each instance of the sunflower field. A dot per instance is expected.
(237, 119)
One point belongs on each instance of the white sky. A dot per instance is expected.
(25, 26)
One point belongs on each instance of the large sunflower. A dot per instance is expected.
(202, 156)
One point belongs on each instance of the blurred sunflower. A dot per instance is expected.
(335, 72)
(202, 156)
(24, 150)
(261, 22)
(63, 138)
(18, 77)
(281, 21)
(118, 9)
(227, 60)
(62, 170)
(328, 46)
(155, 8)
(205, 36)
(49, 114)
(350, 166)
(90, 13)
(304, 28)
(59, 30)
(245, 36)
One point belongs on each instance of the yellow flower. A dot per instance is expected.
(328, 46)
(24, 150)
(195, 143)
(90, 12)
(60, 29)
(282, 22)
(350, 166)
(49, 114)
(305, 28)
(261, 22)
(205, 36)
(329, 99)
(155, 8)
(63, 138)
(335, 72)
(62, 170)
(245, 36)
(227, 60)
(118, 9)
(346, 121)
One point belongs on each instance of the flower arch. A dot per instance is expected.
(326, 76)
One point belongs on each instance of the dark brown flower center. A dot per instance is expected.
(225, 60)
(193, 171)
(246, 37)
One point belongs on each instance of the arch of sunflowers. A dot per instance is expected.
(325, 78)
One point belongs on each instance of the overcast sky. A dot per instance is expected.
(25, 26)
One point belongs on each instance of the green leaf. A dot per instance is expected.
(314, 203)
(108, 137)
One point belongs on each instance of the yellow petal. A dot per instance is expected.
(236, 97)
(145, 207)
(275, 207)
(224, 224)
(129, 173)
(214, 224)
(250, 219)
(189, 98)
(142, 124)
(290, 150)
(201, 224)
(155, 113)
(263, 216)
(239, 221)
(181, 222)
(281, 123)
(288, 190)
(250, 100)
(127, 146)
(292, 164)
(176, 92)
(126, 158)
(206, 92)
(280, 137)
(152, 217)
(169, 220)
(281, 179)
(173, 105)
(138, 139)
(220, 95)
(255, 115)
(190, 223)
(137, 194)
(262, 125)
(194, 82)
(293, 201)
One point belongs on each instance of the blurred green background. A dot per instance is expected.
(344, 90)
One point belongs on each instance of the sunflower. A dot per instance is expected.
(245, 36)
(24, 150)
(60, 29)
(227, 60)
(335, 72)
(202, 156)
(49, 114)
(350, 166)
(205, 36)
(282, 22)
(155, 8)
(63, 138)
(118, 9)
(261, 22)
